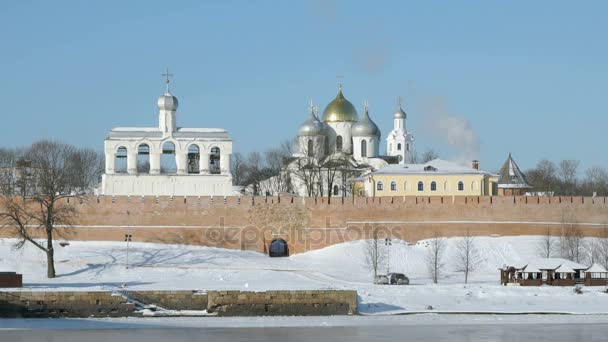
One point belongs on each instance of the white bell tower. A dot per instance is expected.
(400, 142)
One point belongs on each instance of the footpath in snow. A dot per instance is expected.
(94, 266)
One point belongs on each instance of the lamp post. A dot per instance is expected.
(388, 243)
(128, 238)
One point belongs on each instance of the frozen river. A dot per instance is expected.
(461, 328)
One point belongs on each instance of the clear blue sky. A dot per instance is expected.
(529, 77)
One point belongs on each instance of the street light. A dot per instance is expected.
(388, 244)
(128, 237)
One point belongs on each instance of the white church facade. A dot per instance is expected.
(167, 160)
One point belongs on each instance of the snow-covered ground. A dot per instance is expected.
(101, 266)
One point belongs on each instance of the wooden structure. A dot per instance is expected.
(10, 279)
(553, 272)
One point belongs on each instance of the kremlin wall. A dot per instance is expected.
(234, 222)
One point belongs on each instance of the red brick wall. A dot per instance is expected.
(228, 222)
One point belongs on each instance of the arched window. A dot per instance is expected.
(309, 149)
(214, 161)
(399, 147)
(405, 186)
(473, 186)
(445, 186)
(143, 158)
(379, 186)
(393, 186)
(433, 186)
(407, 146)
(460, 186)
(339, 143)
(120, 163)
(363, 148)
(194, 157)
(420, 186)
(167, 159)
(336, 190)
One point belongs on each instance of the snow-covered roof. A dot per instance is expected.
(200, 130)
(596, 268)
(135, 129)
(564, 269)
(181, 132)
(553, 264)
(436, 166)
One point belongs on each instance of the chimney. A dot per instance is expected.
(475, 164)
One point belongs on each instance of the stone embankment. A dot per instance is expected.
(30, 304)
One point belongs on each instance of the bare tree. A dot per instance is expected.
(88, 167)
(277, 179)
(306, 172)
(548, 245)
(467, 256)
(567, 173)
(603, 247)
(596, 181)
(435, 254)
(336, 167)
(42, 212)
(572, 244)
(374, 253)
(428, 155)
(544, 177)
(237, 168)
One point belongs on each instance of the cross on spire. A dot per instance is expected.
(399, 102)
(339, 78)
(167, 77)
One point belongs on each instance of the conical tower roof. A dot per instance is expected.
(510, 176)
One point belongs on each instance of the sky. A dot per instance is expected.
(479, 79)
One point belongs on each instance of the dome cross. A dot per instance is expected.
(167, 77)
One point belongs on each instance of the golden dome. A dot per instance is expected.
(340, 109)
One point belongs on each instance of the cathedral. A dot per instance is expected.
(339, 146)
(340, 130)
(167, 160)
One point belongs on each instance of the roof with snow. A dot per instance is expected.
(596, 268)
(510, 176)
(552, 264)
(436, 166)
(155, 132)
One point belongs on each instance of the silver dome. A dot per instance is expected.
(312, 126)
(400, 114)
(365, 127)
(167, 102)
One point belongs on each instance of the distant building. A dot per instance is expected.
(435, 178)
(511, 181)
(167, 160)
(400, 142)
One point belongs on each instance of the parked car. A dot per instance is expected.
(381, 279)
(398, 279)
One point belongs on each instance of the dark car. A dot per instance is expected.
(398, 279)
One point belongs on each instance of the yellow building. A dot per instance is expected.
(435, 178)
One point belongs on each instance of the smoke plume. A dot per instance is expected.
(452, 130)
